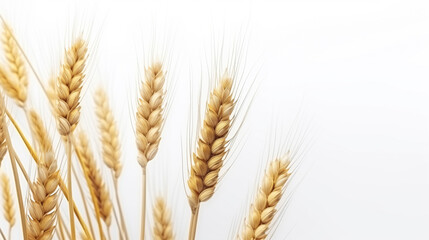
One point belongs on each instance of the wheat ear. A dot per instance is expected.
(96, 181)
(42, 209)
(163, 227)
(263, 209)
(111, 146)
(149, 122)
(211, 149)
(8, 202)
(39, 131)
(69, 86)
(109, 133)
(16, 85)
(67, 111)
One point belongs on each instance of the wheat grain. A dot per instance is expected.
(69, 86)
(163, 227)
(18, 81)
(100, 190)
(8, 202)
(208, 159)
(263, 209)
(42, 209)
(108, 132)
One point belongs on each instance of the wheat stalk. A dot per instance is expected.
(8, 202)
(209, 156)
(96, 181)
(149, 122)
(42, 209)
(263, 209)
(67, 111)
(16, 85)
(13, 161)
(163, 227)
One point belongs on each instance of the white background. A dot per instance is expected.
(355, 72)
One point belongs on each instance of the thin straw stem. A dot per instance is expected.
(143, 216)
(118, 202)
(85, 204)
(17, 184)
(69, 185)
(193, 224)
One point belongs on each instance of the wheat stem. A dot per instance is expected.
(69, 186)
(118, 202)
(2, 233)
(60, 228)
(193, 223)
(143, 214)
(16, 178)
(85, 204)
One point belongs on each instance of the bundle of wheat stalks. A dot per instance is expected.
(41, 217)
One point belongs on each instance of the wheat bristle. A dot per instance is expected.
(211, 148)
(109, 132)
(8, 202)
(149, 116)
(163, 227)
(43, 204)
(99, 187)
(18, 81)
(69, 87)
(39, 131)
(263, 209)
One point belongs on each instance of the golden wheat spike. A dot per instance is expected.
(263, 209)
(163, 226)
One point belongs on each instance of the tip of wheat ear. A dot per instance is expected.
(16, 84)
(109, 132)
(97, 184)
(263, 208)
(69, 86)
(8, 202)
(149, 116)
(42, 208)
(163, 227)
(211, 148)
